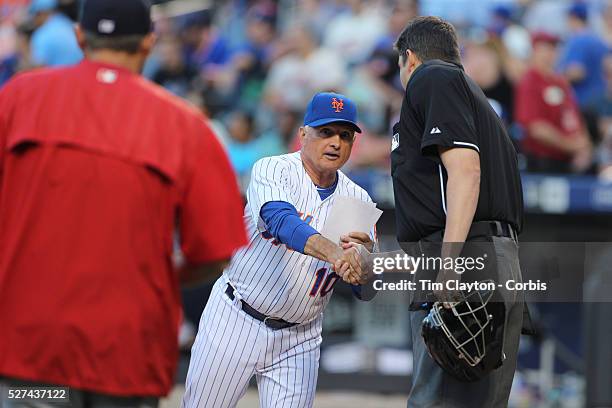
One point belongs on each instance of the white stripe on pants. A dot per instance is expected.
(231, 347)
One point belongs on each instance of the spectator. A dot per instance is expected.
(294, 78)
(70, 8)
(8, 49)
(370, 150)
(312, 13)
(606, 23)
(461, 12)
(8, 67)
(233, 53)
(231, 16)
(208, 52)
(382, 65)
(603, 106)
(24, 36)
(244, 148)
(604, 156)
(197, 98)
(53, 42)
(555, 138)
(204, 46)
(285, 129)
(353, 33)
(583, 57)
(484, 63)
(515, 39)
(546, 16)
(173, 74)
(251, 62)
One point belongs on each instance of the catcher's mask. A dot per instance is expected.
(467, 339)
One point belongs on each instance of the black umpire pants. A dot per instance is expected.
(432, 387)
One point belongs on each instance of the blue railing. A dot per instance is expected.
(542, 193)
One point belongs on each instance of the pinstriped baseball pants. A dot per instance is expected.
(231, 347)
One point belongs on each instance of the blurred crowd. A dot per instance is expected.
(252, 66)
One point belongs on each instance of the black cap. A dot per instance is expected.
(116, 17)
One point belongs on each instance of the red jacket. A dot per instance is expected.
(549, 99)
(95, 165)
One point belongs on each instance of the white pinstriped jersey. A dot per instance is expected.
(275, 280)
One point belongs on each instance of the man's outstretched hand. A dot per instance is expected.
(353, 266)
(357, 238)
(354, 269)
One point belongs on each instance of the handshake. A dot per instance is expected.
(352, 258)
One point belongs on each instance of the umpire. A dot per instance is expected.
(455, 179)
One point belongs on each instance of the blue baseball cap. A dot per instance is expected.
(328, 107)
(579, 10)
(503, 11)
(37, 6)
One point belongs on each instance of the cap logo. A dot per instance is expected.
(337, 104)
(106, 26)
(106, 76)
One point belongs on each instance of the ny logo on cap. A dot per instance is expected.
(336, 104)
(106, 26)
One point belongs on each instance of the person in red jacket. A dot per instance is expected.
(98, 168)
(555, 139)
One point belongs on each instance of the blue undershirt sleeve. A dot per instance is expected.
(284, 223)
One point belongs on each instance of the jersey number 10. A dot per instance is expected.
(324, 286)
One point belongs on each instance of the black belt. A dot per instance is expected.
(274, 324)
(481, 229)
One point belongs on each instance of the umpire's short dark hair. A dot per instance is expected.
(125, 43)
(429, 38)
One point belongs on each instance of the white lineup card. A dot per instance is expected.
(349, 214)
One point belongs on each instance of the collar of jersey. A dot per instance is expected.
(333, 186)
(431, 62)
(98, 64)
